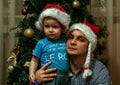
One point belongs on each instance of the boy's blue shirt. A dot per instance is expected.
(55, 51)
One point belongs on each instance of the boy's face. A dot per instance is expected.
(52, 28)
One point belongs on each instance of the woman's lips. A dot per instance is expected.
(72, 48)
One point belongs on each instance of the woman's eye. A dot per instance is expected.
(70, 36)
(81, 39)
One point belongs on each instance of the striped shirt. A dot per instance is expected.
(100, 75)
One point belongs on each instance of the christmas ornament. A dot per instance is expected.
(10, 68)
(76, 4)
(17, 48)
(13, 59)
(24, 11)
(102, 41)
(28, 33)
(27, 64)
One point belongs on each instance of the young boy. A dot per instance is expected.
(54, 21)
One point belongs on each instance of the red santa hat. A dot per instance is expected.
(90, 31)
(55, 11)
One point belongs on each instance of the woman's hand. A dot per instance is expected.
(44, 74)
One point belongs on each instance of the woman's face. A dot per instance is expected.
(77, 44)
(52, 28)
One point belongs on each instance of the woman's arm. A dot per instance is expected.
(44, 74)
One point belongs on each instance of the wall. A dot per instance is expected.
(9, 17)
(107, 13)
(113, 24)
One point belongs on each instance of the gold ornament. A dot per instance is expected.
(76, 4)
(27, 64)
(28, 33)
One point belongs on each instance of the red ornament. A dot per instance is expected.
(24, 11)
(17, 47)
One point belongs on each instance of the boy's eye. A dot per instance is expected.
(47, 26)
(55, 26)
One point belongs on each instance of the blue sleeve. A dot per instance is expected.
(37, 50)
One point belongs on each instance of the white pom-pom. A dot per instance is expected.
(10, 68)
(37, 24)
(87, 73)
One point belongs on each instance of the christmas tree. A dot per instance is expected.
(28, 35)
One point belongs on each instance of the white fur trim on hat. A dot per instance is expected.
(86, 31)
(92, 38)
(62, 17)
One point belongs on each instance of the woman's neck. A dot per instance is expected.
(76, 63)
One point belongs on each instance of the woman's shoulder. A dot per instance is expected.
(99, 67)
(100, 73)
(98, 64)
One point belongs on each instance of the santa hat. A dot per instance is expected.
(90, 31)
(54, 11)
